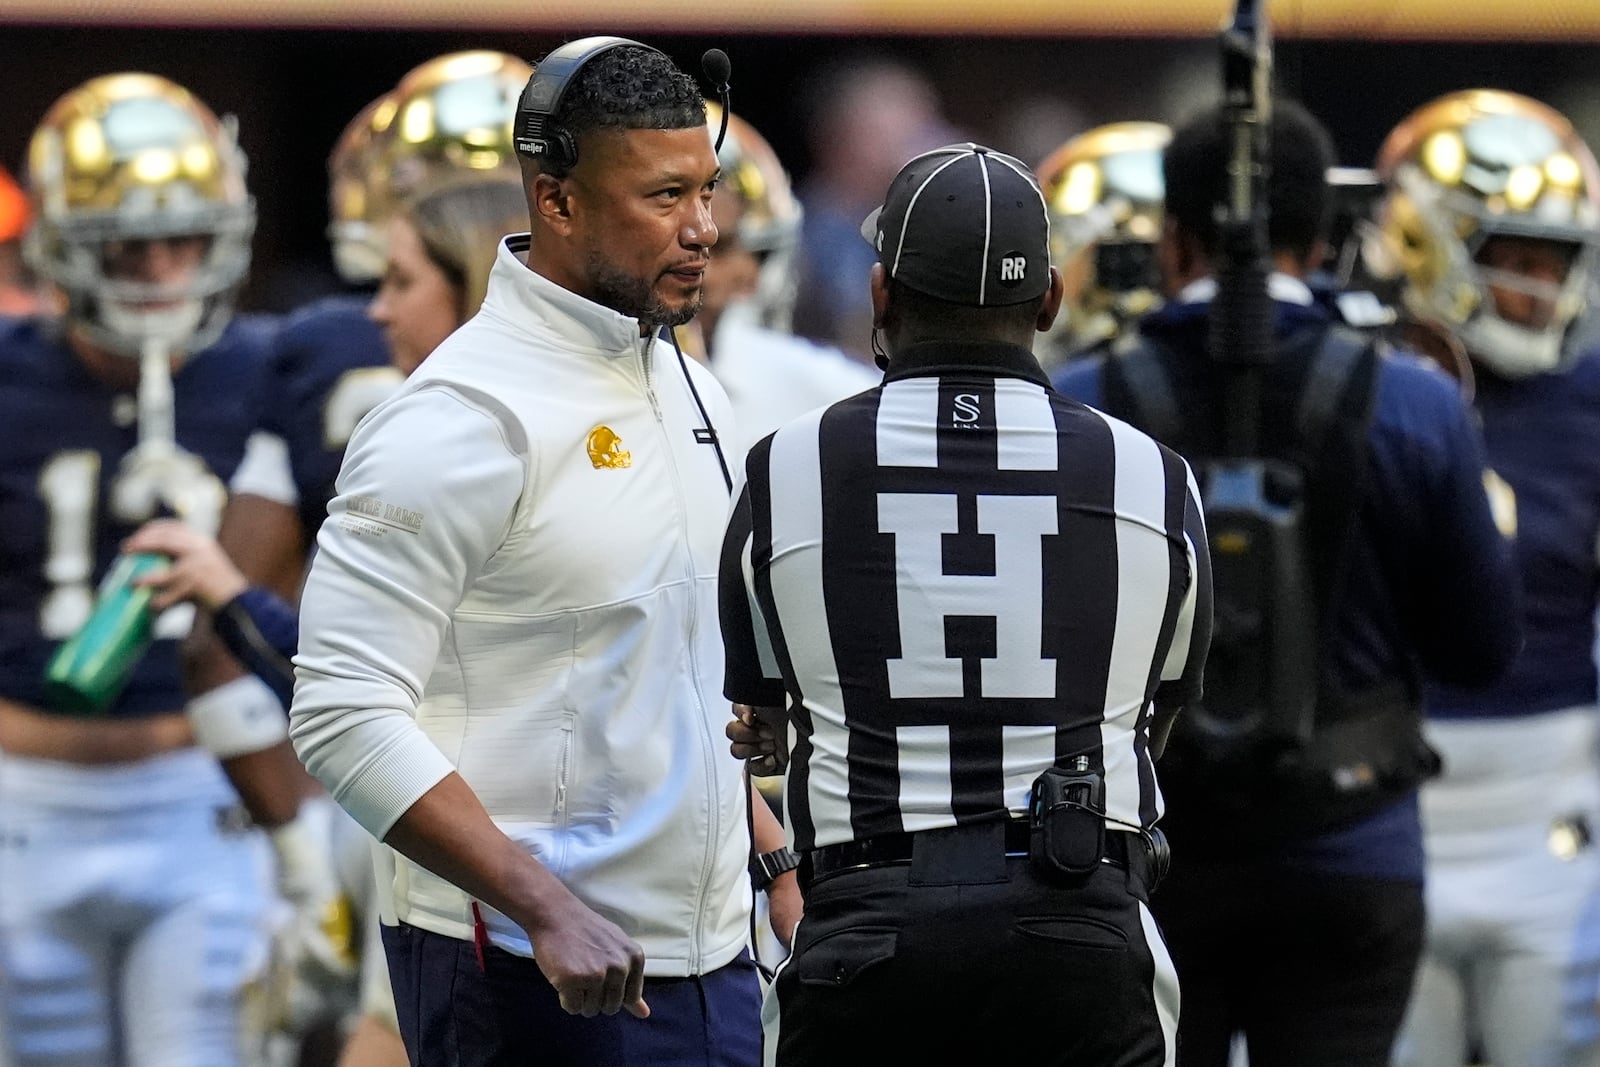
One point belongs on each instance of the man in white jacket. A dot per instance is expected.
(509, 657)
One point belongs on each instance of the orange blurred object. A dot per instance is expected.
(14, 212)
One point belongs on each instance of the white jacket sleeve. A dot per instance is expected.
(427, 494)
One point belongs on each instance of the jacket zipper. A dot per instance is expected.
(707, 747)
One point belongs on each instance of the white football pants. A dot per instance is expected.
(1512, 960)
(133, 911)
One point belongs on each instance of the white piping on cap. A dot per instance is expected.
(905, 223)
(1044, 209)
(988, 222)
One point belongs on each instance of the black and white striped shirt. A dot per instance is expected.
(952, 582)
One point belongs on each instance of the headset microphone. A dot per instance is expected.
(718, 69)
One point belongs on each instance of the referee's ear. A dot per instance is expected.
(880, 295)
(1050, 306)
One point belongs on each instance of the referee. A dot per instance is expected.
(964, 610)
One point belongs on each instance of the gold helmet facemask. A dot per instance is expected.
(769, 225)
(1106, 195)
(448, 117)
(129, 158)
(1467, 168)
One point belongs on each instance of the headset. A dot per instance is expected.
(537, 134)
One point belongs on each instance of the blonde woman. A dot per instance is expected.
(441, 249)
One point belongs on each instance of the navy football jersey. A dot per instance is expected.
(63, 437)
(329, 367)
(1543, 440)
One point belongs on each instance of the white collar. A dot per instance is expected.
(517, 292)
(1284, 288)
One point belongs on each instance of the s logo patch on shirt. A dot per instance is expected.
(605, 450)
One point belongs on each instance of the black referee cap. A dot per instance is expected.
(967, 225)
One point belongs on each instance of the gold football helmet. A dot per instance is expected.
(1461, 170)
(354, 230)
(449, 116)
(770, 224)
(129, 158)
(1106, 196)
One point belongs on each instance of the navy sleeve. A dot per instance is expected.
(1467, 596)
(1080, 380)
(263, 632)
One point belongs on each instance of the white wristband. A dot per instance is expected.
(238, 718)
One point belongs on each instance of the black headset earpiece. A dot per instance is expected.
(537, 134)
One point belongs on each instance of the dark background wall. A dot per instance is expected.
(293, 90)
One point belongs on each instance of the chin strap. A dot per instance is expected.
(1510, 350)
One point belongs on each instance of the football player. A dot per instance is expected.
(132, 890)
(1489, 223)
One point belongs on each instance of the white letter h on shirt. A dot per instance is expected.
(1013, 596)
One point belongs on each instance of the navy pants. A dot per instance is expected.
(506, 1014)
(1314, 968)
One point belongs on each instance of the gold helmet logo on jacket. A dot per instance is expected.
(605, 450)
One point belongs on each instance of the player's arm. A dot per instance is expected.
(374, 613)
(229, 704)
(1467, 622)
(261, 527)
(267, 540)
(785, 905)
(258, 628)
(27, 728)
(232, 714)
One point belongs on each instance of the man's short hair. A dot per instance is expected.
(1299, 202)
(630, 88)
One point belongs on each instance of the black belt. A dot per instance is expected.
(1127, 849)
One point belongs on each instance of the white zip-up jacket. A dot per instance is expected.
(517, 581)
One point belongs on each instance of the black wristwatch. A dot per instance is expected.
(765, 868)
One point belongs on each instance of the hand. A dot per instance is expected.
(785, 905)
(315, 943)
(200, 570)
(756, 740)
(595, 967)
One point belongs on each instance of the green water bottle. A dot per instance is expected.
(88, 672)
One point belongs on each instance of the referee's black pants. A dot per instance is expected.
(1314, 969)
(971, 960)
